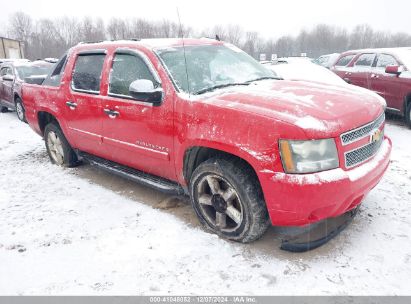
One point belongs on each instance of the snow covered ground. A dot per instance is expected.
(83, 231)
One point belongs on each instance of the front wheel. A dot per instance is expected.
(408, 114)
(20, 111)
(228, 200)
(4, 109)
(58, 148)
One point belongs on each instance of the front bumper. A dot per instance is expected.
(296, 200)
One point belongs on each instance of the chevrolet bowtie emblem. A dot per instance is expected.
(375, 136)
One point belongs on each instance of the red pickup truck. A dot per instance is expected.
(384, 71)
(205, 119)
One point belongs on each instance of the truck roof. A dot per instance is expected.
(150, 43)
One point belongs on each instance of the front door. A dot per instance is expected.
(387, 85)
(362, 70)
(135, 133)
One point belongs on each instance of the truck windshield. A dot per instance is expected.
(211, 67)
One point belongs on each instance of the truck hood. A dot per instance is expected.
(320, 110)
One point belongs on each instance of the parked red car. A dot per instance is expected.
(12, 76)
(210, 121)
(384, 71)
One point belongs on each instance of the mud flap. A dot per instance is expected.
(317, 234)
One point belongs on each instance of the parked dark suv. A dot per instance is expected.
(384, 71)
(12, 75)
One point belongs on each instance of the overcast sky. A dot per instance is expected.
(270, 18)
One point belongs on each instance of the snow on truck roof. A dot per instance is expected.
(154, 43)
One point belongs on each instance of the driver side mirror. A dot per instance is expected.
(143, 90)
(394, 69)
(8, 78)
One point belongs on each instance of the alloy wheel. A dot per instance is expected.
(55, 147)
(20, 111)
(219, 203)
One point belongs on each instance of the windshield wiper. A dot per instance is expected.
(219, 87)
(264, 78)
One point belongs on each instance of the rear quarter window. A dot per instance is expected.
(54, 79)
(345, 60)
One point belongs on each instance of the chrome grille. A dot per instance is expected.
(361, 132)
(363, 153)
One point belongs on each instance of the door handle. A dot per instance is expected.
(374, 76)
(71, 104)
(111, 113)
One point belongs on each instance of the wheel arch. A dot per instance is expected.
(44, 118)
(195, 155)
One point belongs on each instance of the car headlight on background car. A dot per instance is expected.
(308, 156)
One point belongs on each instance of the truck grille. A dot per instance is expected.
(363, 153)
(361, 132)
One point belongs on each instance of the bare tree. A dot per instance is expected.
(117, 29)
(92, 30)
(20, 28)
(52, 37)
(285, 46)
(234, 34)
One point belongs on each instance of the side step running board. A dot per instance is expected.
(146, 179)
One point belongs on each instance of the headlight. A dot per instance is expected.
(308, 156)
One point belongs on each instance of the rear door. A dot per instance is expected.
(386, 85)
(361, 71)
(342, 68)
(138, 135)
(83, 111)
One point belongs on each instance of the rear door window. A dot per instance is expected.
(87, 73)
(126, 69)
(365, 60)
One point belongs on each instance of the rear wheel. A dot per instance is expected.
(58, 148)
(20, 111)
(228, 200)
(4, 109)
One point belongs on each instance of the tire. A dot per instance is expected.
(240, 216)
(4, 109)
(58, 148)
(20, 111)
(408, 113)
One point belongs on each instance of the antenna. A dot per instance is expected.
(184, 51)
